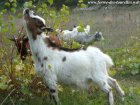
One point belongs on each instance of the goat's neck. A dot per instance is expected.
(39, 46)
(91, 38)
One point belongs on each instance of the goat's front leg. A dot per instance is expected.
(50, 81)
(54, 95)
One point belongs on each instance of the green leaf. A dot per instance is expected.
(28, 4)
(80, 1)
(14, 5)
(11, 17)
(14, 0)
(81, 29)
(19, 15)
(3, 86)
(52, 14)
(13, 10)
(25, 90)
(83, 5)
(4, 11)
(39, 9)
(50, 2)
(49, 66)
(44, 6)
(75, 45)
(11, 0)
(7, 4)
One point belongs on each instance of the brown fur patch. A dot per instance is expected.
(34, 25)
(54, 46)
(55, 40)
(33, 29)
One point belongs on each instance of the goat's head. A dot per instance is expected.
(99, 36)
(34, 23)
(22, 45)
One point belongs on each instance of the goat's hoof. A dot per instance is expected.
(123, 96)
(123, 99)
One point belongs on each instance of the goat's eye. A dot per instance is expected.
(34, 13)
(38, 21)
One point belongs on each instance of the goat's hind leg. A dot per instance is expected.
(107, 89)
(115, 84)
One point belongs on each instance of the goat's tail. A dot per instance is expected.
(108, 60)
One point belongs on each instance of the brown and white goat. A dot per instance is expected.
(23, 46)
(57, 65)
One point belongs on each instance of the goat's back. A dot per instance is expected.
(82, 65)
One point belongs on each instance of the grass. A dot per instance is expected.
(130, 84)
(118, 26)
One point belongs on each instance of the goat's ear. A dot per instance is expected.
(74, 26)
(96, 32)
(100, 33)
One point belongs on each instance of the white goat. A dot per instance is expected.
(66, 34)
(70, 67)
(70, 34)
(89, 39)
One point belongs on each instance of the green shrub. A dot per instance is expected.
(127, 58)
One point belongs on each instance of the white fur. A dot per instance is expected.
(77, 69)
(67, 34)
(31, 13)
